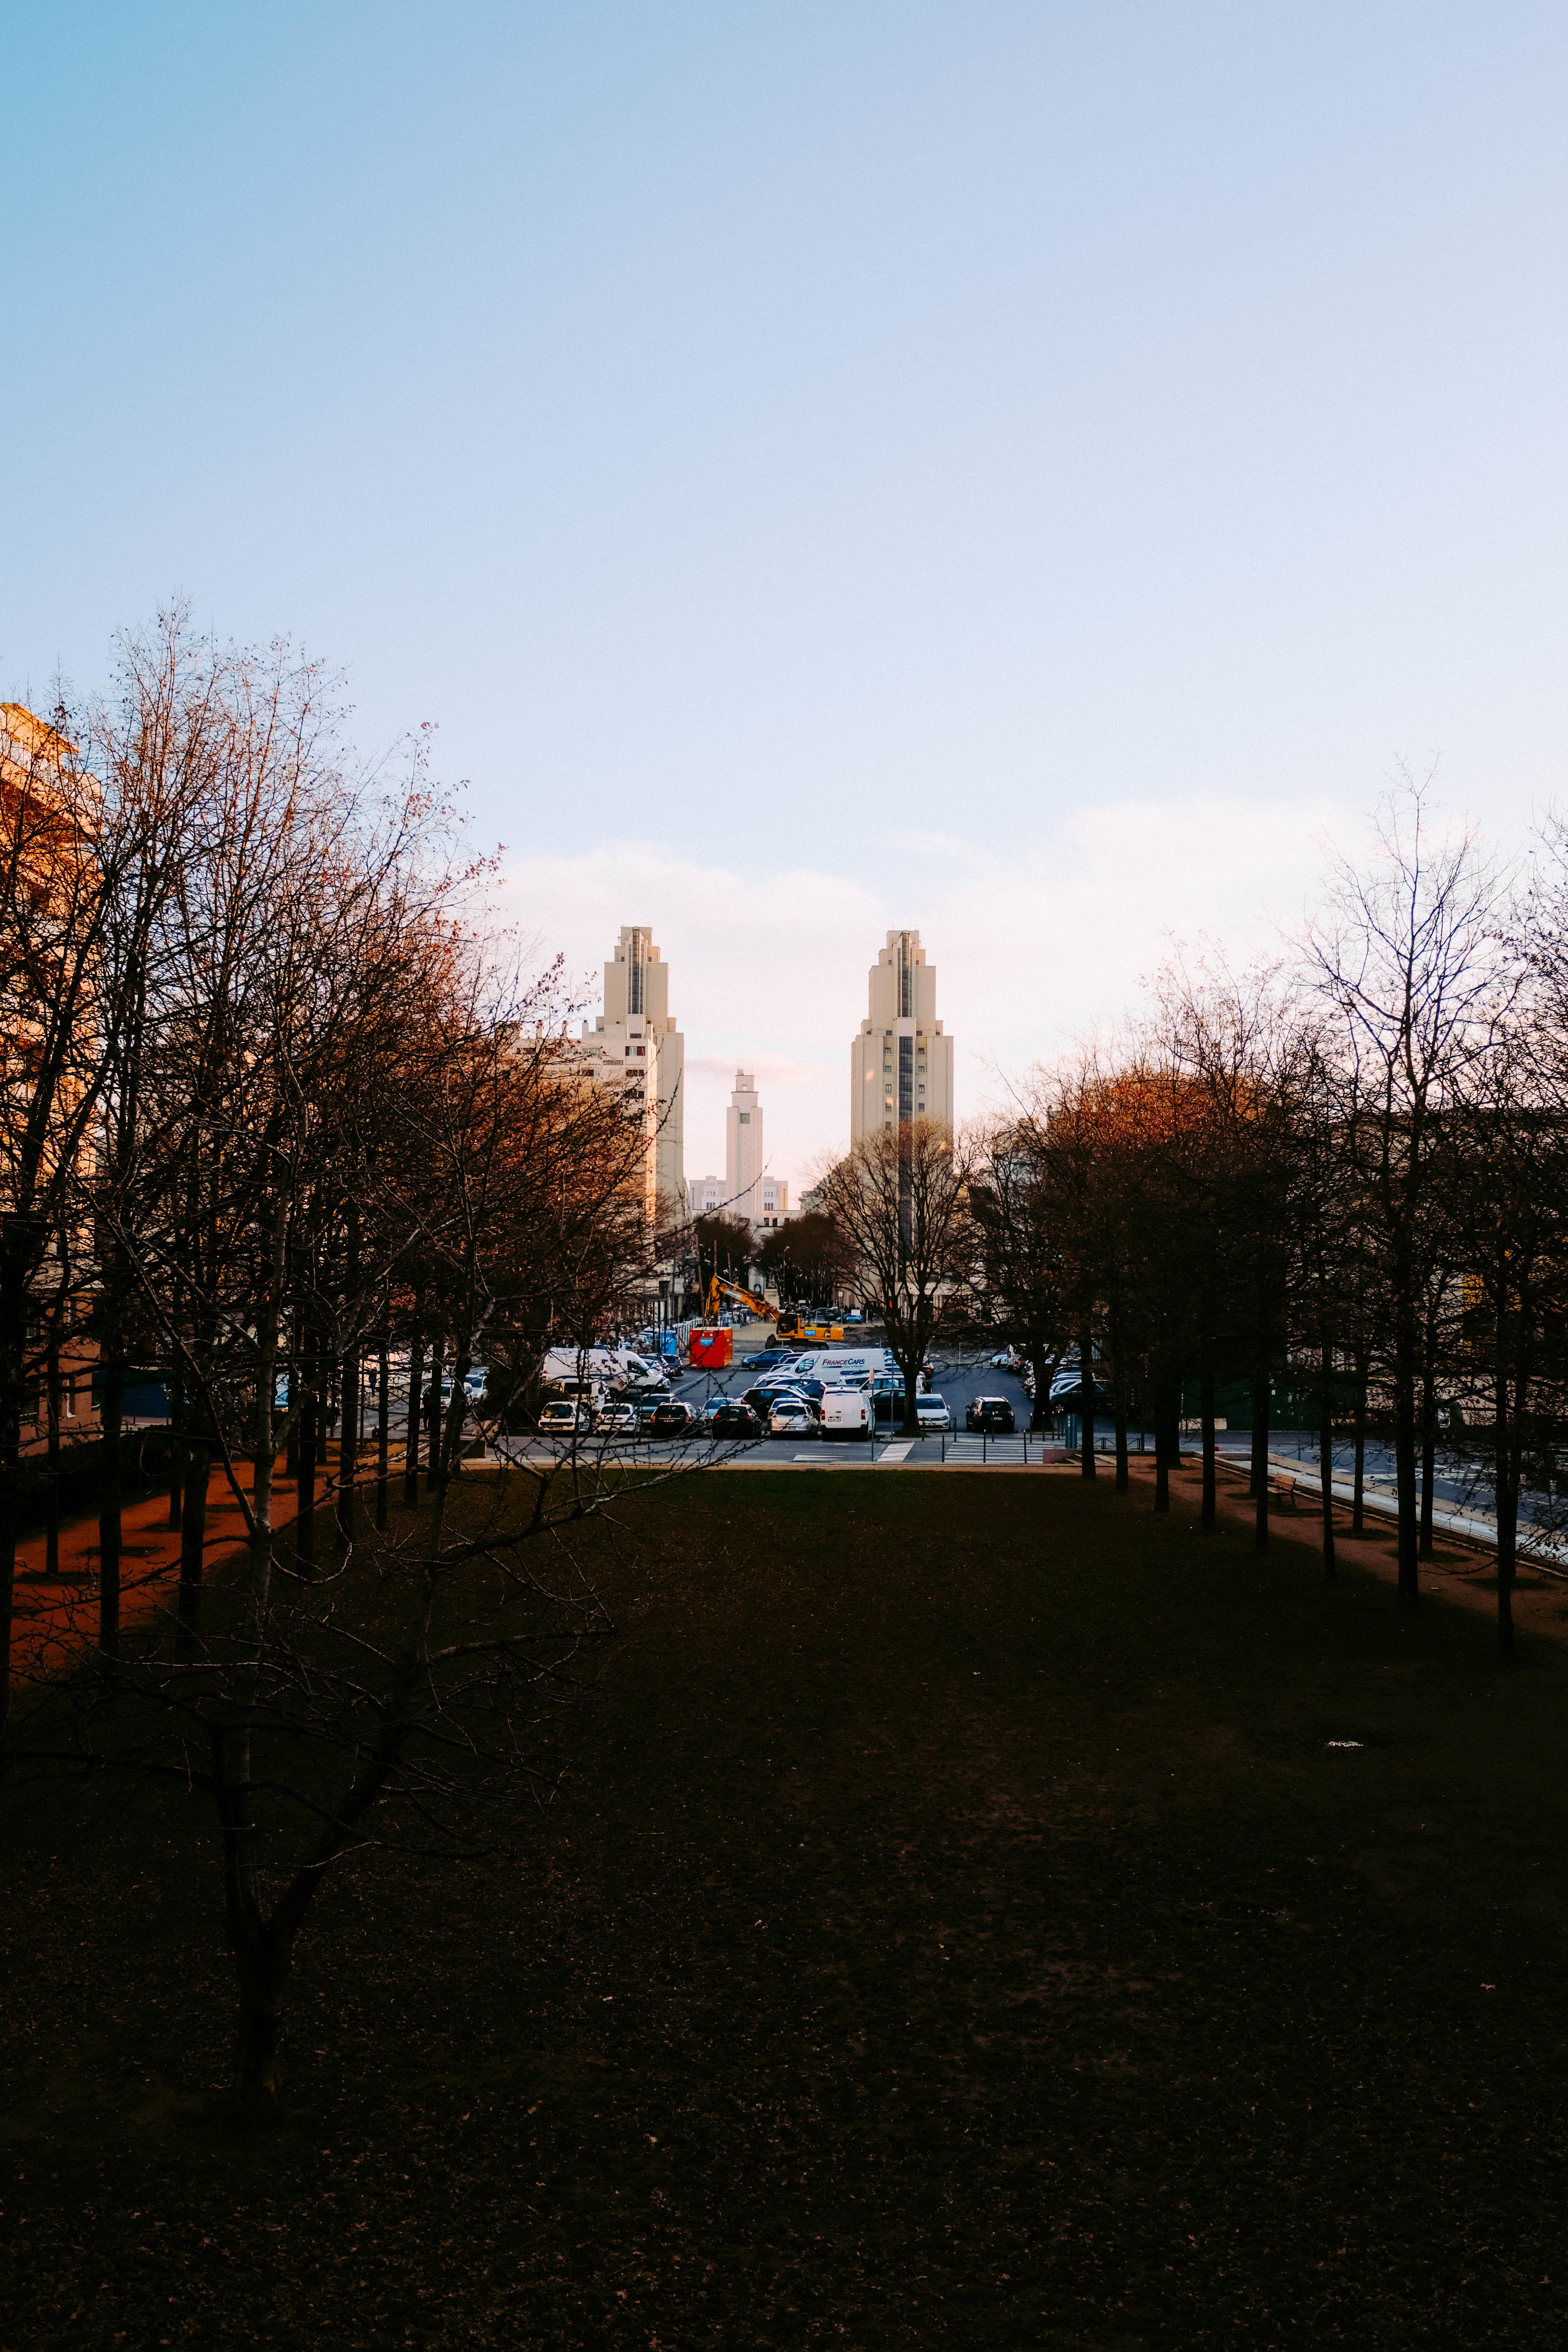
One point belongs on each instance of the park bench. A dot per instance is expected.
(1282, 1490)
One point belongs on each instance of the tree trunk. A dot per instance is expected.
(349, 1396)
(1044, 1363)
(305, 1503)
(193, 1545)
(1260, 1460)
(1428, 1457)
(1161, 1459)
(348, 1449)
(1404, 1441)
(13, 1383)
(1507, 1499)
(1358, 1514)
(292, 1408)
(433, 1407)
(1326, 1456)
(1087, 1464)
(111, 1484)
(52, 1408)
(1174, 1421)
(262, 1968)
(176, 1449)
(909, 1358)
(383, 1420)
(1122, 1479)
(1211, 1502)
(416, 1387)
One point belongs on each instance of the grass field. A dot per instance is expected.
(960, 1927)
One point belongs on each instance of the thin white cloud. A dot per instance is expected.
(770, 1070)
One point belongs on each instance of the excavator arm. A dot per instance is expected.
(718, 1291)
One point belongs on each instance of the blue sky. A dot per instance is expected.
(1029, 472)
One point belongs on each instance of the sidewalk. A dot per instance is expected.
(1466, 1574)
(53, 1621)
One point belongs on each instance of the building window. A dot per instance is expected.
(71, 1399)
(744, 1117)
(906, 1077)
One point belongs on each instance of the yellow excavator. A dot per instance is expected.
(791, 1325)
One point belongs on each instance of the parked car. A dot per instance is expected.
(674, 1418)
(617, 1419)
(732, 1418)
(932, 1414)
(771, 1354)
(762, 1398)
(992, 1413)
(564, 1416)
(1006, 1359)
(854, 1316)
(794, 1417)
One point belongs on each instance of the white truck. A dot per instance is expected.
(594, 1374)
(832, 1366)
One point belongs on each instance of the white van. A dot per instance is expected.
(845, 1412)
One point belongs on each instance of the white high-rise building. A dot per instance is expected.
(635, 1032)
(744, 1155)
(900, 1065)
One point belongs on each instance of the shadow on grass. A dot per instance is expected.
(978, 1913)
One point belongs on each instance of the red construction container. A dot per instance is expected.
(709, 1348)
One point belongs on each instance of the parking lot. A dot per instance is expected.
(956, 1379)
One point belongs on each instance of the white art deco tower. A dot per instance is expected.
(743, 1151)
(635, 1037)
(900, 1066)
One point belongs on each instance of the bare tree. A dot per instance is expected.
(1405, 966)
(902, 1202)
(1021, 1242)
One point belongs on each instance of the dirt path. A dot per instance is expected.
(53, 1619)
(1461, 1573)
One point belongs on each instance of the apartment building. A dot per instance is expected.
(901, 1064)
(707, 1196)
(40, 813)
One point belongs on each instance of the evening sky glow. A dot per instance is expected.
(1031, 474)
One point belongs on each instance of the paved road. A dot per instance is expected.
(956, 1379)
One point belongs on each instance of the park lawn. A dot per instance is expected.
(957, 1927)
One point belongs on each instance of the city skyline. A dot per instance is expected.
(772, 981)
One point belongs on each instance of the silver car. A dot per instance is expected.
(618, 1420)
(793, 1417)
(564, 1416)
(932, 1414)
